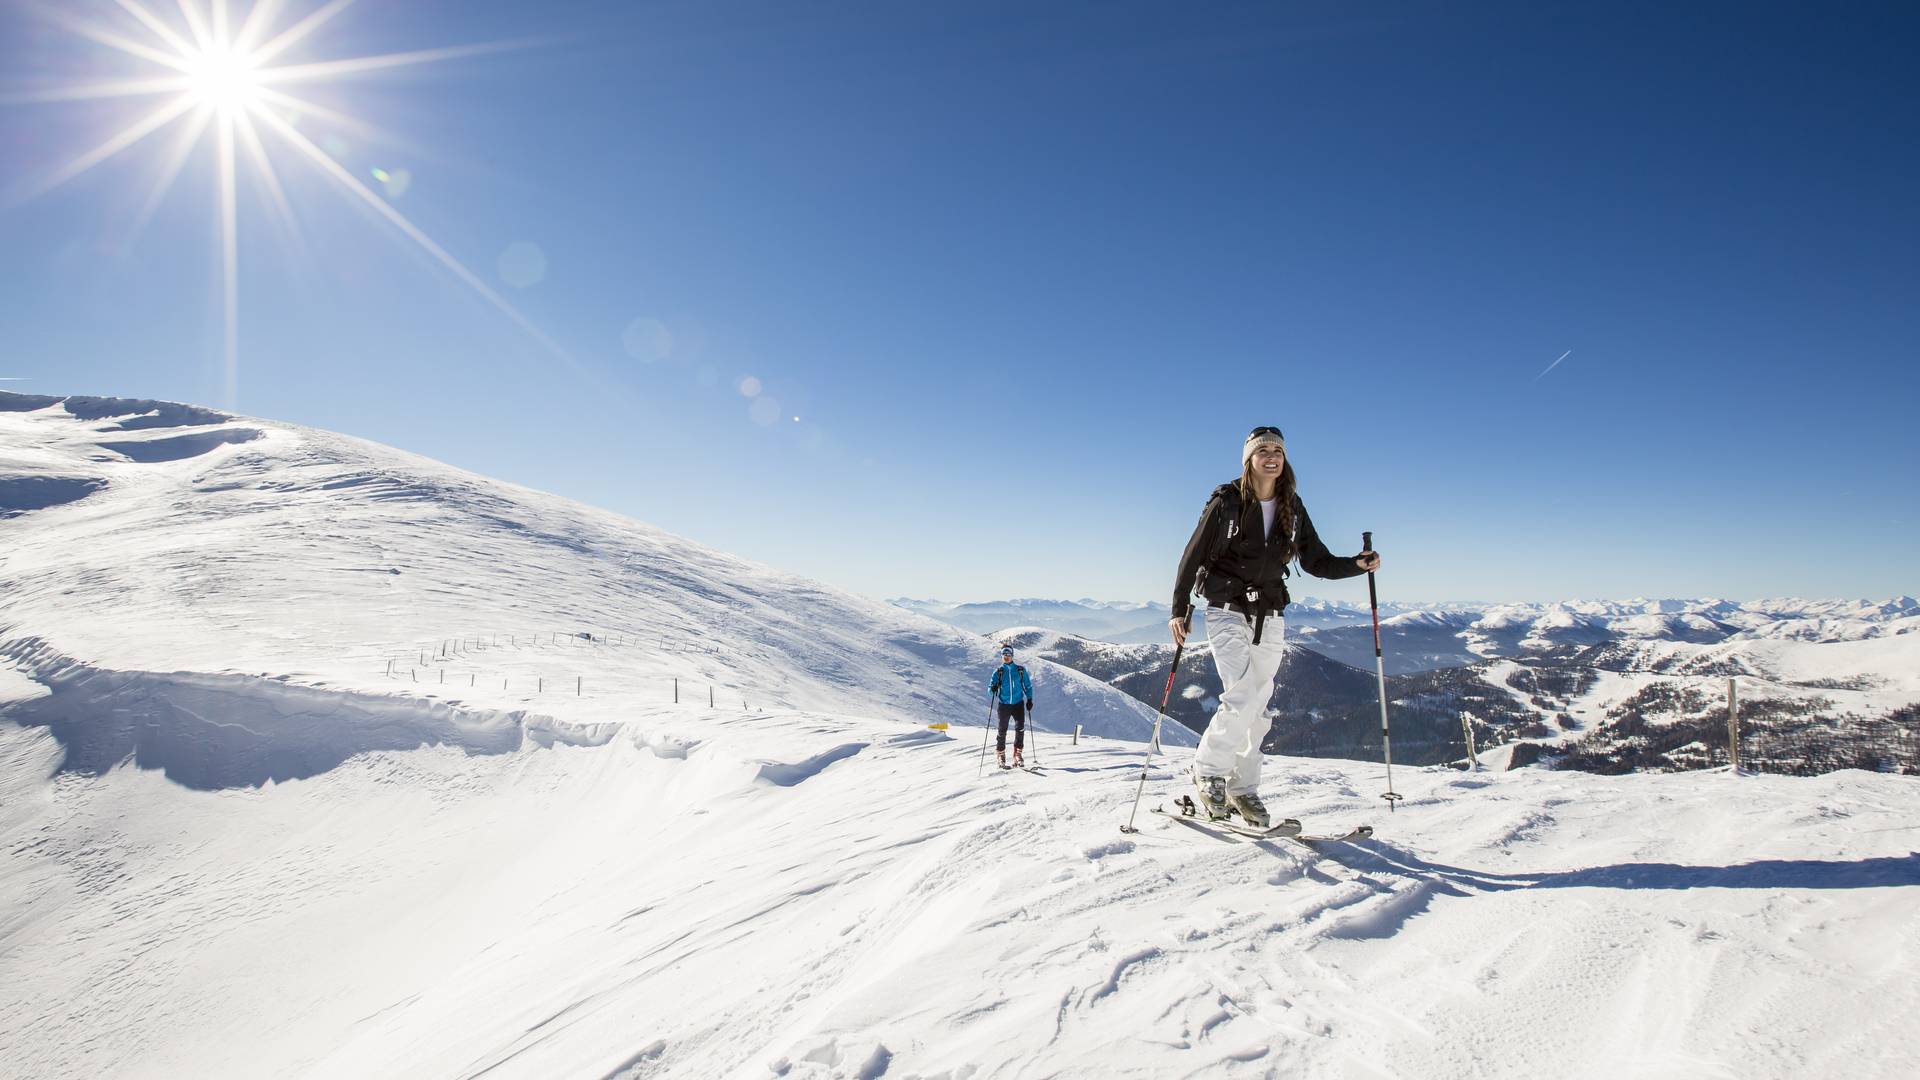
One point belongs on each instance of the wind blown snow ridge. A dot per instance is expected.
(244, 547)
(221, 731)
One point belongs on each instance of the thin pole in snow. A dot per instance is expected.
(1380, 672)
(986, 734)
(1154, 743)
(1733, 727)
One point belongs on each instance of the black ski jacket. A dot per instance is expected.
(1230, 554)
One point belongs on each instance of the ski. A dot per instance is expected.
(1358, 832)
(1228, 830)
(1182, 810)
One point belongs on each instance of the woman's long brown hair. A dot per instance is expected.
(1282, 489)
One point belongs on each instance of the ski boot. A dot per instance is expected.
(1251, 810)
(1213, 796)
(1018, 761)
(1002, 756)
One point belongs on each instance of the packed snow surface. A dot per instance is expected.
(752, 894)
(236, 841)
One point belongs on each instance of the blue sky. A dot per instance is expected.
(1026, 274)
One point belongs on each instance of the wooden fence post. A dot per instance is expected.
(1733, 726)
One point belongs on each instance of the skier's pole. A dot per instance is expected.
(1165, 696)
(1033, 733)
(985, 737)
(1380, 672)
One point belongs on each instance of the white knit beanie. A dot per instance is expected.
(1260, 435)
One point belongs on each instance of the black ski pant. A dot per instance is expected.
(1017, 713)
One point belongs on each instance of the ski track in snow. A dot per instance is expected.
(231, 845)
(607, 911)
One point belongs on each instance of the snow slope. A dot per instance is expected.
(713, 895)
(253, 550)
(232, 844)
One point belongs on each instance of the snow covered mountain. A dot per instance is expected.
(1425, 637)
(1101, 620)
(1120, 622)
(1635, 683)
(148, 543)
(1805, 707)
(246, 829)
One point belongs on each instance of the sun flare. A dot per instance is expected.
(224, 76)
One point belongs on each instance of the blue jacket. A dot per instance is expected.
(1011, 685)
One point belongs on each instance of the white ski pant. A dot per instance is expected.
(1230, 746)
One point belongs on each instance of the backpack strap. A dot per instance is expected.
(1228, 496)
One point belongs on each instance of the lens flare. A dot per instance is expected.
(223, 79)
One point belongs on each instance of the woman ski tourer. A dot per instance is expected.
(1237, 561)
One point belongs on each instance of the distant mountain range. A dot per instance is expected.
(1129, 622)
(1429, 637)
(1604, 686)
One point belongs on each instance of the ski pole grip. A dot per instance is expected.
(1373, 595)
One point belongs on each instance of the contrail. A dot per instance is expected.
(16, 380)
(1553, 365)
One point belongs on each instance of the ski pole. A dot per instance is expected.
(1380, 673)
(1033, 732)
(985, 737)
(1165, 696)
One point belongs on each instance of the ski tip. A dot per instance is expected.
(1358, 832)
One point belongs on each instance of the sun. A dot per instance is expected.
(221, 77)
(225, 78)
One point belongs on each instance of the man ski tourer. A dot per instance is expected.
(1014, 692)
(1237, 561)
